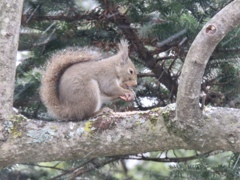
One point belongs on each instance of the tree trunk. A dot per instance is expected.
(10, 11)
(188, 114)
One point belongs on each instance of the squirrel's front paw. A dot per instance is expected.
(129, 96)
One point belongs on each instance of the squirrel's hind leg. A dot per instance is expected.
(80, 103)
(93, 104)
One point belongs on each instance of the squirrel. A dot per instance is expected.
(78, 81)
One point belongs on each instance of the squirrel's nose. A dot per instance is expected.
(135, 84)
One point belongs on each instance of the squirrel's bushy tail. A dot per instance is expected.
(56, 65)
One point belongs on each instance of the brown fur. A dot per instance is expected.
(77, 82)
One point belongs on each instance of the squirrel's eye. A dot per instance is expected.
(130, 71)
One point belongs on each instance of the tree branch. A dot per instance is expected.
(172, 38)
(92, 15)
(167, 159)
(188, 111)
(125, 133)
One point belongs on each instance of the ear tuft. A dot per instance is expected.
(123, 50)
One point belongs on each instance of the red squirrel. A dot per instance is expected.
(78, 81)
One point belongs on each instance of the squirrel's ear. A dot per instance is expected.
(123, 50)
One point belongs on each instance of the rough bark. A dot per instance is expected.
(10, 11)
(9, 34)
(188, 114)
(115, 134)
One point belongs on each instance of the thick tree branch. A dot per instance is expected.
(188, 110)
(115, 134)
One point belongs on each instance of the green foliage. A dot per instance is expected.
(206, 168)
(150, 171)
(21, 173)
(25, 93)
(222, 166)
(229, 75)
